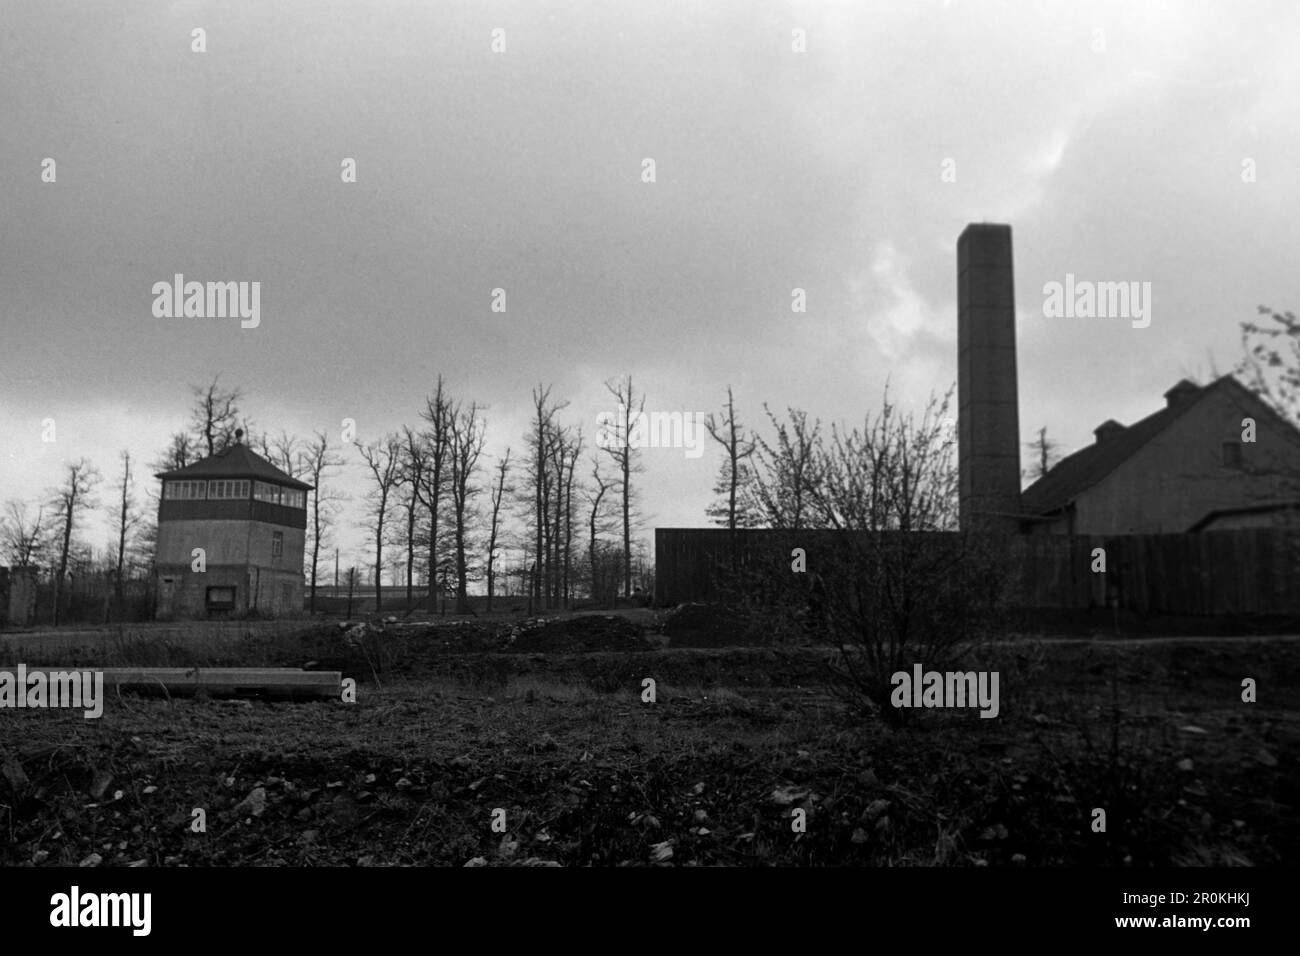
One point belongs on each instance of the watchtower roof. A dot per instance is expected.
(236, 461)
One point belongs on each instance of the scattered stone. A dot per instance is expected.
(93, 860)
(1266, 758)
(1193, 729)
(254, 804)
(701, 817)
(1185, 765)
(478, 861)
(40, 856)
(789, 795)
(661, 852)
(538, 861)
(868, 778)
(402, 783)
(150, 789)
(873, 810)
(461, 761)
(859, 836)
(13, 772)
(996, 832)
(1018, 858)
(547, 742)
(370, 778)
(697, 789)
(99, 784)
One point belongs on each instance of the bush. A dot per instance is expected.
(865, 555)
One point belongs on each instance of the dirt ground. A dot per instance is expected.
(469, 745)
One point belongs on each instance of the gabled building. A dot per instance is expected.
(1187, 467)
(1183, 468)
(249, 518)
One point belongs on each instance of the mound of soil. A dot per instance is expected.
(705, 625)
(593, 632)
(456, 636)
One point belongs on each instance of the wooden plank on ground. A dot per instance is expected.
(277, 682)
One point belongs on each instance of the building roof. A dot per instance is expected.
(1290, 504)
(1086, 467)
(236, 461)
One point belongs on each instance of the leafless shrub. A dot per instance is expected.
(869, 516)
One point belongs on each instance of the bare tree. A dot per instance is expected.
(384, 459)
(433, 481)
(411, 478)
(215, 415)
(317, 459)
(178, 453)
(1271, 366)
(499, 491)
(597, 522)
(467, 437)
(1045, 453)
(624, 455)
(67, 502)
(564, 448)
(735, 474)
(127, 518)
(787, 473)
(23, 540)
(285, 452)
(574, 452)
(541, 442)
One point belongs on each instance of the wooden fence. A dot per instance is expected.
(1241, 572)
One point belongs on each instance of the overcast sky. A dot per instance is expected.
(1115, 138)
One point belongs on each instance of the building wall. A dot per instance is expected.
(239, 555)
(271, 592)
(1179, 477)
(229, 542)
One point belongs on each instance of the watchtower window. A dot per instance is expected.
(277, 543)
(228, 489)
(184, 490)
(269, 493)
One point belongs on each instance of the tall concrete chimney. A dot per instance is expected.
(988, 417)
